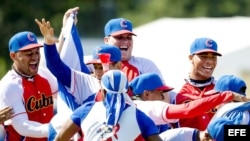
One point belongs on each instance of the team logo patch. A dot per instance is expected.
(123, 23)
(209, 43)
(31, 37)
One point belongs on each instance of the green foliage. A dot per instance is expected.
(16, 15)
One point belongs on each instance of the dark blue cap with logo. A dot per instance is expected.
(118, 26)
(202, 45)
(23, 41)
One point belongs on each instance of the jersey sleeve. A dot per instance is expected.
(81, 113)
(61, 71)
(81, 85)
(199, 106)
(156, 110)
(11, 95)
(146, 125)
(84, 87)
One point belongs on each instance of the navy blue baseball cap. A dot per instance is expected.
(202, 45)
(115, 53)
(118, 26)
(23, 41)
(148, 81)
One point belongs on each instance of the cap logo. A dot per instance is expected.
(123, 23)
(209, 43)
(30, 37)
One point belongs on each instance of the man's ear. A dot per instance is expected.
(12, 56)
(190, 57)
(106, 40)
(145, 93)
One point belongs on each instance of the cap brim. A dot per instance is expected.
(122, 32)
(208, 50)
(31, 46)
(165, 88)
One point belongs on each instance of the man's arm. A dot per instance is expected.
(199, 106)
(67, 131)
(26, 127)
(61, 71)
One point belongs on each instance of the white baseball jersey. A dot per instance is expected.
(83, 89)
(132, 125)
(32, 102)
(12, 89)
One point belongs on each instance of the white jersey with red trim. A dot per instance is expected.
(32, 102)
(12, 88)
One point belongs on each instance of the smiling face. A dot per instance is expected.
(203, 65)
(26, 62)
(124, 42)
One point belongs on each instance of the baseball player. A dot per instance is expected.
(76, 87)
(232, 113)
(148, 91)
(119, 32)
(111, 119)
(235, 113)
(28, 89)
(203, 57)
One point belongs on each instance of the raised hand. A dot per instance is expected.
(47, 31)
(67, 14)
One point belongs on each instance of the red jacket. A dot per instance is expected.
(189, 93)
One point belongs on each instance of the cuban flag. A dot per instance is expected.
(72, 52)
